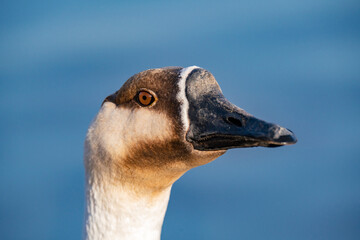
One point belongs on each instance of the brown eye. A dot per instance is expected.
(144, 98)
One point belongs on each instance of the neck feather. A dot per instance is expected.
(117, 212)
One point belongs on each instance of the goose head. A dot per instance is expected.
(163, 122)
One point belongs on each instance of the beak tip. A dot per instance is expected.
(285, 136)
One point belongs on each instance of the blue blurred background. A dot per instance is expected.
(296, 63)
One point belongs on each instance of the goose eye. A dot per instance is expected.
(145, 99)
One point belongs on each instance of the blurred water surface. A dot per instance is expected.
(295, 63)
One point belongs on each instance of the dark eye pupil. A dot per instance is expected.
(144, 97)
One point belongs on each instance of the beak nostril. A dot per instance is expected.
(234, 121)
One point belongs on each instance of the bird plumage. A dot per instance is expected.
(137, 147)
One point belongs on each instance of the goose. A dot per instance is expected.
(158, 125)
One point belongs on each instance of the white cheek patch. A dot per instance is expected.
(118, 129)
(181, 97)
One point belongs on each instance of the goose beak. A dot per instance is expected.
(216, 124)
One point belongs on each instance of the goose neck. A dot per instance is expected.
(120, 212)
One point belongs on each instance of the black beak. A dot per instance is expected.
(216, 124)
